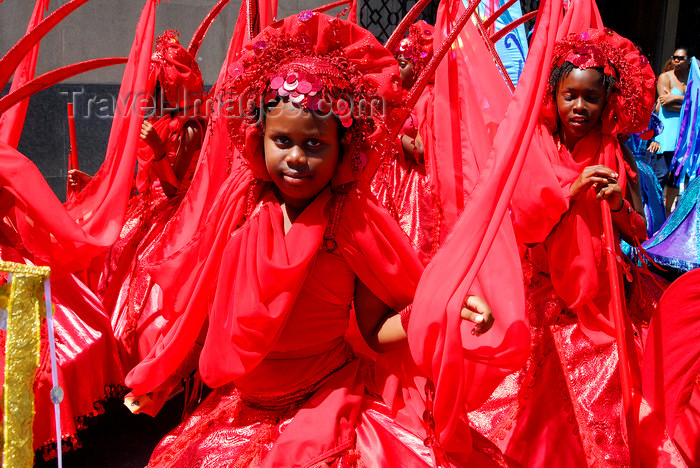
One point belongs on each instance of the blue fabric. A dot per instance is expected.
(677, 244)
(652, 197)
(647, 163)
(637, 145)
(513, 48)
(686, 161)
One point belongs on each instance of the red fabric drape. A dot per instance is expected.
(248, 281)
(670, 381)
(212, 167)
(68, 238)
(480, 149)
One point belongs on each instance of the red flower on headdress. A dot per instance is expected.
(589, 56)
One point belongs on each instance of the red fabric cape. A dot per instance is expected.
(672, 353)
(68, 238)
(480, 147)
(248, 281)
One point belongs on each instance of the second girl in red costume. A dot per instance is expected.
(569, 394)
(167, 156)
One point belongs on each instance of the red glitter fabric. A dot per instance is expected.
(569, 392)
(403, 185)
(543, 210)
(671, 372)
(129, 294)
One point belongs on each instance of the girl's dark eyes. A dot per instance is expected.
(281, 140)
(313, 143)
(587, 98)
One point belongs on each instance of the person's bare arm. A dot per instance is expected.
(382, 329)
(667, 99)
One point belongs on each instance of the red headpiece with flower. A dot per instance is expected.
(630, 102)
(323, 64)
(417, 47)
(176, 70)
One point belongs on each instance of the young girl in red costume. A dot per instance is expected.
(293, 240)
(403, 184)
(569, 393)
(167, 155)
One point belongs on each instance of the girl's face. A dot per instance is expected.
(302, 152)
(580, 101)
(406, 72)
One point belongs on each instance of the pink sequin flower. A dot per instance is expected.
(297, 86)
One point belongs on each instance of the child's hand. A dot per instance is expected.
(78, 179)
(597, 176)
(136, 404)
(475, 309)
(150, 136)
(612, 192)
(654, 147)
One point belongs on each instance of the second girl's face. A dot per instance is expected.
(406, 72)
(580, 101)
(302, 152)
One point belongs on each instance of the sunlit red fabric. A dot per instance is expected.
(263, 284)
(479, 148)
(672, 363)
(176, 71)
(69, 238)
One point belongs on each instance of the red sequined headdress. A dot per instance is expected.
(323, 64)
(630, 103)
(417, 47)
(177, 71)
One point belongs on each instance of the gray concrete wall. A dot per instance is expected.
(103, 28)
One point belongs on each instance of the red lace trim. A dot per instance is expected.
(72, 441)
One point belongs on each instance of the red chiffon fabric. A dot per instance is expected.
(133, 300)
(403, 185)
(266, 280)
(574, 354)
(575, 252)
(304, 399)
(479, 148)
(69, 238)
(569, 392)
(670, 375)
(213, 167)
